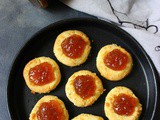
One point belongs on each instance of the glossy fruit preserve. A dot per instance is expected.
(73, 46)
(124, 104)
(50, 111)
(116, 60)
(41, 74)
(84, 86)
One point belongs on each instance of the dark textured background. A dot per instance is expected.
(19, 20)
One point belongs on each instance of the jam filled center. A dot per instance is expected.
(41, 74)
(124, 104)
(73, 46)
(116, 60)
(50, 111)
(85, 86)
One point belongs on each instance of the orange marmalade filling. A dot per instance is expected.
(50, 111)
(73, 46)
(85, 86)
(116, 60)
(124, 104)
(41, 74)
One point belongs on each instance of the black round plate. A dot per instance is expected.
(141, 80)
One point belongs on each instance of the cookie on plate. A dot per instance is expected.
(122, 104)
(83, 88)
(72, 47)
(87, 117)
(114, 62)
(42, 75)
(50, 107)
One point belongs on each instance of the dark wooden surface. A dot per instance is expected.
(19, 20)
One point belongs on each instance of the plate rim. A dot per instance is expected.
(28, 41)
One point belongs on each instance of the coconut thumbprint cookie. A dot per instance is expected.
(83, 88)
(42, 75)
(114, 62)
(49, 108)
(122, 104)
(87, 117)
(72, 47)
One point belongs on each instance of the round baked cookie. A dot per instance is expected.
(87, 117)
(122, 104)
(72, 47)
(50, 107)
(42, 75)
(114, 62)
(83, 88)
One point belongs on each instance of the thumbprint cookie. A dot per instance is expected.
(122, 104)
(87, 117)
(83, 88)
(72, 47)
(42, 75)
(114, 62)
(49, 108)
